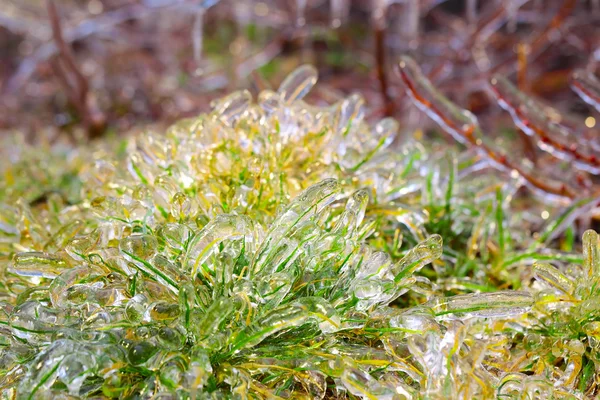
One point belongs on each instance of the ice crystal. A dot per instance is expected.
(277, 249)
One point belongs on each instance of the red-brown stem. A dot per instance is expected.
(63, 77)
(64, 50)
(545, 138)
(467, 134)
(587, 92)
(381, 70)
(258, 81)
(564, 11)
(522, 51)
(78, 91)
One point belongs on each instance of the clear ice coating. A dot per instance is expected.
(538, 122)
(587, 86)
(464, 127)
(275, 249)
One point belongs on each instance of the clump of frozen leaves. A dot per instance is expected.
(234, 308)
(269, 249)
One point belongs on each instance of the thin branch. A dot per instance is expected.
(523, 51)
(463, 127)
(64, 50)
(537, 45)
(63, 77)
(380, 34)
(587, 86)
(77, 91)
(532, 119)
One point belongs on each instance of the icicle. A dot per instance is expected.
(198, 31)
(229, 109)
(416, 258)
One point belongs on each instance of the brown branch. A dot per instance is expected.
(63, 78)
(380, 32)
(527, 117)
(258, 82)
(537, 44)
(467, 136)
(587, 86)
(77, 91)
(65, 50)
(523, 51)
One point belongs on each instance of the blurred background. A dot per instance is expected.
(106, 67)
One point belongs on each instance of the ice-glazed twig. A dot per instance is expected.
(463, 126)
(545, 35)
(64, 50)
(102, 23)
(540, 41)
(471, 11)
(379, 25)
(587, 86)
(490, 23)
(487, 27)
(78, 91)
(523, 50)
(381, 72)
(553, 138)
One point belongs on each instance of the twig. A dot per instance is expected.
(65, 51)
(523, 51)
(537, 44)
(258, 81)
(62, 76)
(78, 91)
(86, 28)
(531, 118)
(467, 133)
(380, 32)
(587, 86)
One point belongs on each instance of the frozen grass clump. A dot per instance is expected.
(276, 249)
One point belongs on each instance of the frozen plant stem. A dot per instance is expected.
(73, 80)
(380, 24)
(462, 126)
